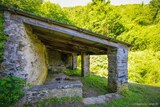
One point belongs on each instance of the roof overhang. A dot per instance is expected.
(63, 37)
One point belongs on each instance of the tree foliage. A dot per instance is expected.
(155, 10)
(27, 5)
(100, 18)
(144, 67)
(53, 11)
(11, 90)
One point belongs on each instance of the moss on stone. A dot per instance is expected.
(3, 37)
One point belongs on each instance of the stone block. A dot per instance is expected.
(55, 89)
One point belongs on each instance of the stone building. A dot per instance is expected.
(36, 44)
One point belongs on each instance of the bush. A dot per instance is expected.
(99, 65)
(11, 90)
(144, 67)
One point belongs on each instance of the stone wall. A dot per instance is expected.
(59, 90)
(59, 61)
(25, 55)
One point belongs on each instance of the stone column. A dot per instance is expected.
(117, 69)
(74, 61)
(85, 65)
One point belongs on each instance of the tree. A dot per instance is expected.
(27, 5)
(53, 11)
(155, 4)
(104, 1)
(98, 1)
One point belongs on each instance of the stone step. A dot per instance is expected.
(101, 99)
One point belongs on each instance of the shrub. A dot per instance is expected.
(144, 67)
(11, 90)
(99, 65)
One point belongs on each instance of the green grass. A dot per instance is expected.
(76, 72)
(95, 83)
(54, 72)
(57, 102)
(138, 95)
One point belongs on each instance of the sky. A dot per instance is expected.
(69, 3)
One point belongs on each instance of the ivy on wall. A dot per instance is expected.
(3, 37)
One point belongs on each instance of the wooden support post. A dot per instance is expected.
(85, 65)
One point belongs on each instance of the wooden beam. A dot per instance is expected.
(60, 46)
(72, 39)
(60, 50)
(69, 32)
(74, 46)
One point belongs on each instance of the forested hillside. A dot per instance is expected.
(138, 24)
(130, 23)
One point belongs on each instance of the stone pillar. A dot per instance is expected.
(117, 69)
(85, 65)
(74, 61)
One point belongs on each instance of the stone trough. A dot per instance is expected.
(55, 89)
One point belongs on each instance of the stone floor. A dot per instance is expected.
(101, 99)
